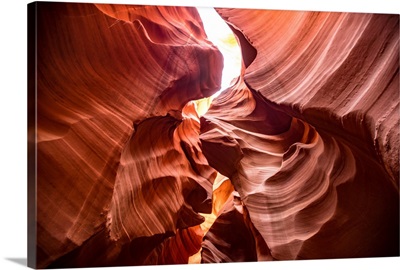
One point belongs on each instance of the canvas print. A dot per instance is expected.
(182, 135)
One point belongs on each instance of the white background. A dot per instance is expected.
(13, 238)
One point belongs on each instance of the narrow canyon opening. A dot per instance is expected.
(219, 33)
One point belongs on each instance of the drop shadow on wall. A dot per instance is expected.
(20, 261)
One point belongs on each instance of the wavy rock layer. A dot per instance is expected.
(297, 160)
(297, 184)
(317, 177)
(337, 71)
(100, 70)
(163, 177)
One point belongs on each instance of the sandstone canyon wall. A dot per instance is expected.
(297, 160)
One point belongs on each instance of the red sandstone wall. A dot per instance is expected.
(307, 137)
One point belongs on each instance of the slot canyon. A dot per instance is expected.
(140, 163)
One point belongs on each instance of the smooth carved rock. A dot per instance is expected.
(229, 240)
(163, 179)
(177, 249)
(337, 71)
(162, 182)
(100, 70)
(233, 237)
(297, 183)
(307, 137)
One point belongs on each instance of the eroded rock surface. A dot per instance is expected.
(297, 160)
(337, 71)
(101, 70)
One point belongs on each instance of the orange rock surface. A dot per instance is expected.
(297, 160)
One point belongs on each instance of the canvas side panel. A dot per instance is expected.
(32, 8)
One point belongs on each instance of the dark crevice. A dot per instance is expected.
(249, 53)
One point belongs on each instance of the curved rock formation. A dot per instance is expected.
(338, 71)
(102, 69)
(296, 185)
(163, 179)
(324, 181)
(296, 160)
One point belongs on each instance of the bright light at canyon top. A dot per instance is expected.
(219, 33)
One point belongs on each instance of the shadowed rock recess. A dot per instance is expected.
(299, 159)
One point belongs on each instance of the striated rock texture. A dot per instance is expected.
(322, 183)
(103, 70)
(302, 188)
(335, 70)
(299, 159)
